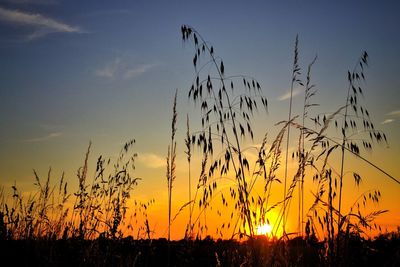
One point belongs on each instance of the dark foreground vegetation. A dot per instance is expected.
(382, 251)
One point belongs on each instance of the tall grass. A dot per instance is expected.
(171, 169)
(226, 118)
(309, 91)
(98, 209)
(294, 80)
(188, 152)
(171, 165)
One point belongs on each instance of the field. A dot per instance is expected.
(382, 251)
(278, 201)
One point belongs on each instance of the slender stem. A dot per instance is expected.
(286, 161)
(342, 161)
(190, 207)
(344, 141)
(288, 134)
(188, 152)
(171, 171)
(302, 148)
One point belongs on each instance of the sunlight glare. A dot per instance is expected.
(264, 229)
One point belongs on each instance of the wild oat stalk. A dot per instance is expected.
(294, 80)
(102, 204)
(188, 153)
(308, 93)
(351, 118)
(351, 99)
(82, 194)
(39, 216)
(354, 113)
(99, 207)
(171, 165)
(222, 111)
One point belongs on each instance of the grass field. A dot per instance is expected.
(86, 226)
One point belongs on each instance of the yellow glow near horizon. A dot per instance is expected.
(265, 229)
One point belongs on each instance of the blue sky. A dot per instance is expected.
(106, 71)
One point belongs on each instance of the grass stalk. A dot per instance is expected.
(294, 80)
(171, 168)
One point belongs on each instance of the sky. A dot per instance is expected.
(106, 71)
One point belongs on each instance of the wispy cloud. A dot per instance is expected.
(152, 160)
(118, 68)
(43, 138)
(387, 121)
(394, 113)
(139, 70)
(296, 91)
(40, 24)
(110, 70)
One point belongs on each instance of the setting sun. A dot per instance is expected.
(264, 229)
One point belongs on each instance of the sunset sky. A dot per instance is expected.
(106, 71)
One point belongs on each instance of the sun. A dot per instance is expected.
(265, 229)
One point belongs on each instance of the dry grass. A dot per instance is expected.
(226, 119)
(98, 209)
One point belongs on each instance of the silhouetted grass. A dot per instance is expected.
(88, 227)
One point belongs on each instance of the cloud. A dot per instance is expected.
(41, 25)
(134, 72)
(296, 91)
(43, 138)
(387, 121)
(152, 160)
(394, 113)
(110, 69)
(118, 68)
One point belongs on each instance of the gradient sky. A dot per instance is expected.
(106, 71)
